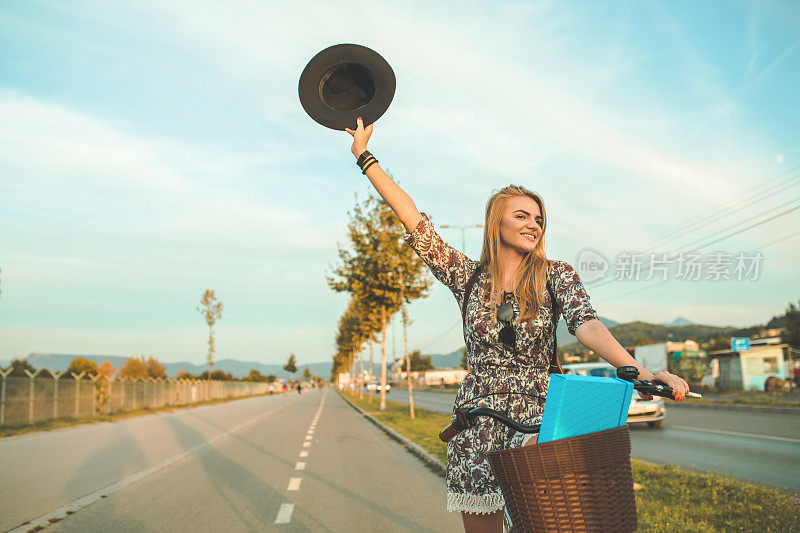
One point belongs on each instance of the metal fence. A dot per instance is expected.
(35, 398)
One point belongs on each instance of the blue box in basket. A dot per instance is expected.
(577, 405)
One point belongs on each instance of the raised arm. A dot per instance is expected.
(400, 202)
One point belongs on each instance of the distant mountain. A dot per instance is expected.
(680, 321)
(449, 360)
(60, 363)
(627, 333)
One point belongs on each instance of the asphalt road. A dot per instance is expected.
(277, 463)
(763, 447)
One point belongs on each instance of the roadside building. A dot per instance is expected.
(432, 378)
(749, 369)
(443, 376)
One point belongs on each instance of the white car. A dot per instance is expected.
(640, 411)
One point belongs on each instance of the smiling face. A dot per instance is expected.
(520, 226)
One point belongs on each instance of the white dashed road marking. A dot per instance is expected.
(285, 513)
(286, 509)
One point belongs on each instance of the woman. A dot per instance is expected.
(504, 355)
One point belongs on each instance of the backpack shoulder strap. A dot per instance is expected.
(555, 365)
(467, 292)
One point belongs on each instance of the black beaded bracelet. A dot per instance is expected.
(366, 161)
(363, 158)
(371, 162)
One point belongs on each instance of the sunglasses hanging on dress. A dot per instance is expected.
(505, 314)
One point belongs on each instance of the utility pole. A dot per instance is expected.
(405, 345)
(463, 232)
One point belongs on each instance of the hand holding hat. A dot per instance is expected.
(361, 137)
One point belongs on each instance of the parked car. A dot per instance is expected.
(651, 412)
(376, 385)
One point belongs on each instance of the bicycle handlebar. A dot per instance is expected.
(464, 418)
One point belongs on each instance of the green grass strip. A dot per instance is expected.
(668, 498)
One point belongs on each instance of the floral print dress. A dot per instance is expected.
(496, 368)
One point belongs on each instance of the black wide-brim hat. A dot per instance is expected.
(344, 82)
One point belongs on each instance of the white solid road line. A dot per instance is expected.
(304, 453)
(300, 466)
(285, 513)
(306, 444)
(294, 483)
(735, 433)
(40, 522)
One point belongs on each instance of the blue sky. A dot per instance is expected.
(151, 150)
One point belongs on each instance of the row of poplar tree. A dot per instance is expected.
(381, 274)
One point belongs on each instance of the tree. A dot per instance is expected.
(291, 364)
(306, 374)
(134, 368)
(791, 321)
(107, 369)
(464, 363)
(420, 363)
(211, 311)
(18, 368)
(81, 364)
(719, 342)
(379, 272)
(155, 369)
(219, 375)
(643, 340)
(255, 376)
(182, 374)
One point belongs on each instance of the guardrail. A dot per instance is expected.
(36, 398)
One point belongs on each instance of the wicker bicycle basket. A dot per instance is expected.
(579, 483)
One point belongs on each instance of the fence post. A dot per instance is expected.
(30, 401)
(56, 375)
(110, 382)
(94, 393)
(3, 396)
(77, 391)
(122, 393)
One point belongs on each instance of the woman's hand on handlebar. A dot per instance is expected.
(361, 137)
(679, 386)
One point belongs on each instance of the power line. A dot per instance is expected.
(715, 241)
(738, 223)
(750, 197)
(440, 337)
(642, 289)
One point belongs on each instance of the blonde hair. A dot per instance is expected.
(531, 277)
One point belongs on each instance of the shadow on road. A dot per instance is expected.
(118, 458)
(209, 456)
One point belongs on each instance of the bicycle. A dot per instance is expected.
(581, 483)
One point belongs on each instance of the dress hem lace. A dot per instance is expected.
(472, 503)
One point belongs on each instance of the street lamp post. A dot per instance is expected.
(463, 232)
